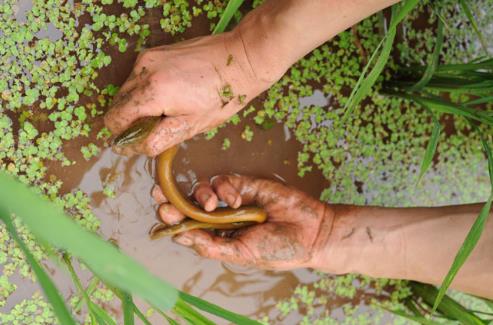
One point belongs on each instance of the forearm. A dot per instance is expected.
(280, 32)
(408, 243)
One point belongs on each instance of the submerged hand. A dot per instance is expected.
(288, 239)
(196, 85)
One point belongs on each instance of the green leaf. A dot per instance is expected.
(418, 319)
(405, 9)
(49, 288)
(231, 9)
(216, 310)
(49, 223)
(448, 307)
(465, 7)
(192, 316)
(365, 83)
(97, 313)
(465, 250)
(431, 148)
(431, 68)
(128, 309)
(439, 105)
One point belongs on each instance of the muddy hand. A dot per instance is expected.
(286, 241)
(194, 85)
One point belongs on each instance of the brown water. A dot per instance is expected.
(128, 217)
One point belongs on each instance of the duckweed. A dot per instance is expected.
(51, 59)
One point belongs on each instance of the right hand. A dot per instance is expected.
(297, 225)
(196, 85)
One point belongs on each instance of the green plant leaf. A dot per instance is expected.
(431, 68)
(216, 310)
(128, 309)
(192, 316)
(418, 319)
(448, 307)
(467, 247)
(96, 313)
(405, 9)
(430, 148)
(465, 7)
(49, 288)
(365, 83)
(479, 101)
(50, 224)
(231, 9)
(439, 105)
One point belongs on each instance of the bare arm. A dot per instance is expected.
(401, 243)
(407, 243)
(279, 33)
(186, 81)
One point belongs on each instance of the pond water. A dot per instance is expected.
(127, 218)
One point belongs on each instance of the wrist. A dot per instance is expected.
(260, 34)
(328, 251)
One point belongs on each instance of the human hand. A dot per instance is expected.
(296, 227)
(196, 85)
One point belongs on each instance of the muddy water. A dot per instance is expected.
(128, 217)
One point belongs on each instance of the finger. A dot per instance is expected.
(169, 214)
(131, 104)
(171, 131)
(158, 195)
(218, 248)
(204, 194)
(226, 191)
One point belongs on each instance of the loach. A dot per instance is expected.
(221, 218)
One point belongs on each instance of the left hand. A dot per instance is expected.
(289, 239)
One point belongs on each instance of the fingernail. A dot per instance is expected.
(183, 240)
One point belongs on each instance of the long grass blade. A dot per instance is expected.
(448, 307)
(50, 224)
(97, 314)
(431, 148)
(417, 319)
(432, 66)
(216, 310)
(365, 83)
(231, 9)
(479, 101)
(372, 77)
(141, 316)
(439, 105)
(489, 155)
(475, 232)
(192, 316)
(474, 24)
(465, 250)
(49, 288)
(405, 9)
(128, 309)
(170, 320)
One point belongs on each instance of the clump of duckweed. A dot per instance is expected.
(345, 300)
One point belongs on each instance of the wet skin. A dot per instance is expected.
(199, 219)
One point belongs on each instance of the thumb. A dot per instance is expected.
(218, 248)
(171, 131)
